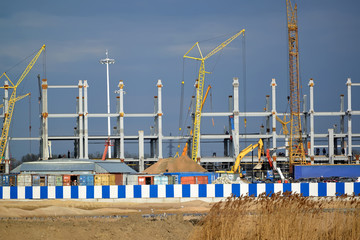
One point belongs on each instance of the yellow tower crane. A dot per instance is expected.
(296, 146)
(12, 100)
(200, 89)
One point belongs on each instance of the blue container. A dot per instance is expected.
(315, 171)
(211, 175)
(5, 180)
(90, 180)
(82, 180)
(35, 180)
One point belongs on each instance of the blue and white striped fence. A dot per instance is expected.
(176, 191)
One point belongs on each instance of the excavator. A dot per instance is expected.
(236, 167)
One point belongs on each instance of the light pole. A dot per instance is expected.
(108, 61)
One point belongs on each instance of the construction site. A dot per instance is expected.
(287, 139)
(258, 151)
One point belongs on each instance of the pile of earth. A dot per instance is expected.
(171, 165)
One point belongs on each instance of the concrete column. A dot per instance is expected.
(141, 151)
(121, 121)
(159, 114)
(86, 129)
(81, 115)
(5, 110)
(348, 83)
(44, 122)
(311, 112)
(236, 116)
(267, 109)
(273, 111)
(342, 121)
(331, 145)
(304, 123)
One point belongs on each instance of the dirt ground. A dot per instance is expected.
(58, 219)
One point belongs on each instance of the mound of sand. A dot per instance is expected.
(171, 165)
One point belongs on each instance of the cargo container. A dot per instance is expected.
(118, 179)
(161, 180)
(131, 179)
(24, 180)
(90, 180)
(188, 180)
(35, 180)
(12, 180)
(202, 180)
(51, 180)
(111, 179)
(316, 171)
(210, 176)
(105, 179)
(82, 180)
(43, 180)
(171, 179)
(146, 180)
(66, 180)
(58, 180)
(5, 180)
(97, 180)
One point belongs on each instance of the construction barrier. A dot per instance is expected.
(217, 191)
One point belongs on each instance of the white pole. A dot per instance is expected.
(86, 130)
(81, 114)
(121, 110)
(236, 116)
(160, 136)
(348, 83)
(273, 111)
(311, 110)
(108, 61)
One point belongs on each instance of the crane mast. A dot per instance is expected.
(200, 89)
(296, 146)
(12, 100)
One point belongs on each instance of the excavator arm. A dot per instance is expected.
(243, 153)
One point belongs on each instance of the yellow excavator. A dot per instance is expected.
(236, 168)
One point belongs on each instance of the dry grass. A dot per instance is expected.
(282, 216)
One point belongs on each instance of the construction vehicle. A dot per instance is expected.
(296, 146)
(236, 167)
(200, 89)
(272, 163)
(12, 100)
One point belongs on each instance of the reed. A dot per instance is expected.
(281, 216)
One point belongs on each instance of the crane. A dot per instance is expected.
(200, 88)
(12, 100)
(243, 153)
(296, 146)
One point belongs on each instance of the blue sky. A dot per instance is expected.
(148, 39)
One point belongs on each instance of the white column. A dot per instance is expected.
(311, 112)
(6, 106)
(273, 111)
(159, 114)
(141, 151)
(236, 116)
(86, 130)
(81, 114)
(121, 110)
(45, 143)
(331, 145)
(348, 83)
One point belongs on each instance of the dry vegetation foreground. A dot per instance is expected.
(276, 217)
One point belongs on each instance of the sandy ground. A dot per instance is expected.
(59, 219)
